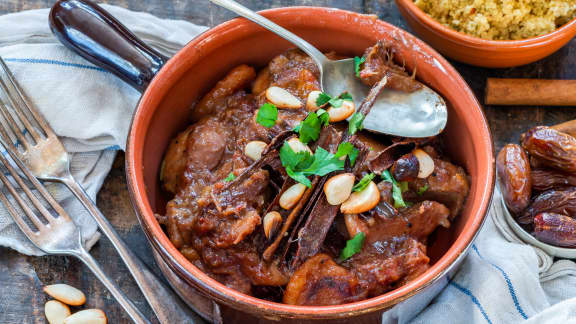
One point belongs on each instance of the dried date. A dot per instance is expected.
(555, 229)
(552, 148)
(551, 201)
(406, 168)
(513, 171)
(545, 179)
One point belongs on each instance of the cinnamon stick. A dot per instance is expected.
(530, 92)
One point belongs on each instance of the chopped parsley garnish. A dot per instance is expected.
(353, 246)
(335, 102)
(355, 123)
(230, 177)
(309, 128)
(357, 62)
(267, 115)
(396, 190)
(347, 148)
(422, 190)
(303, 164)
(363, 183)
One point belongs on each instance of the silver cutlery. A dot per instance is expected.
(421, 113)
(47, 224)
(31, 138)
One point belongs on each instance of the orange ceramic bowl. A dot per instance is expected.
(482, 52)
(164, 110)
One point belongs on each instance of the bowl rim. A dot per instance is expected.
(185, 269)
(441, 29)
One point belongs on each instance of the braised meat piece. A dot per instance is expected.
(382, 264)
(380, 62)
(448, 184)
(321, 281)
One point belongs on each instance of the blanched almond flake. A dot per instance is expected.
(87, 316)
(281, 98)
(362, 201)
(291, 196)
(66, 294)
(341, 113)
(271, 223)
(426, 163)
(298, 146)
(254, 149)
(338, 188)
(56, 312)
(311, 101)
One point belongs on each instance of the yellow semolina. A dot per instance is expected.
(501, 19)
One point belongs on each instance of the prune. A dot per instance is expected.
(545, 179)
(514, 173)
(551, 201)
(556, 229)
(406, 168)
(553, 148)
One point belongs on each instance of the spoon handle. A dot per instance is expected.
(239, 9)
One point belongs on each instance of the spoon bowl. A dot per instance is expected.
(422, 113)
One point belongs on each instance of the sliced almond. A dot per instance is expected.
(87, 316)
(271, 223)
(281, 98)
(254, 149)
(56, 312)
(311, 101)
(362, 201)
(341, 113)
(291, 196)
(338, 188)
(66, 294)
(426, 163)
(298, 146)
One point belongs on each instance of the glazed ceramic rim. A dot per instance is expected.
(454, 35)
(187, 271)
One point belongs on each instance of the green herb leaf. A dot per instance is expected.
(422, 190)
(267, 115)
(396, 190)
(323, 116)
(230, 177)
(353, 246)
(348, 149)
(323, 99)
(403, 186)
(358, 61)
(346, 96)
(363, 183)
(302, 164)
(355, 123)
(310, 128)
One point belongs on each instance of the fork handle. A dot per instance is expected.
(167, 306)
(135, 314)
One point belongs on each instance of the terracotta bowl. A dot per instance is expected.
(164, 110)
(482, 52)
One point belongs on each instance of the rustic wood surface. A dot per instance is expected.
(21, 277)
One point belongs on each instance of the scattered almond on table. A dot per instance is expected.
(58, 312)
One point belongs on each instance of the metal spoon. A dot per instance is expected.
(421, 113)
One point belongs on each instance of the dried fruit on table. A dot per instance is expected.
(551, 201)
(545, 179)
(552, 148)
(556, 229)
(513, 170)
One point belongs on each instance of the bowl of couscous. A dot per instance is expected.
(493, 33)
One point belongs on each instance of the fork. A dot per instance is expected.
(54, 232)
(29, 136)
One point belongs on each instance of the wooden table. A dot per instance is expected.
(21, 277)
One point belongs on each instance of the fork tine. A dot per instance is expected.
(31, 215)
(15, 129)
(23, 104)
(16, 216)
(37, 185)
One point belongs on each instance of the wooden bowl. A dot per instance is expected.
(482, 52)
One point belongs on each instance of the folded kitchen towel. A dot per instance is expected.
(500, 281)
